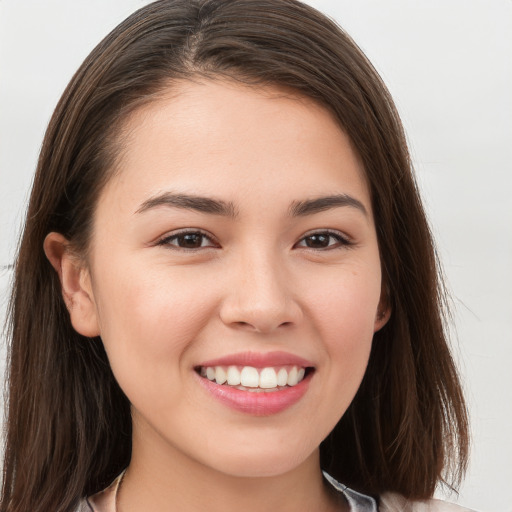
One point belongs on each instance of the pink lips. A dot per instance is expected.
(257, 403)
(259, 360)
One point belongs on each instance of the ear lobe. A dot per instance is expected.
(383, 314)
(75, 282)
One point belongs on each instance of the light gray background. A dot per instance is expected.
(448, 64)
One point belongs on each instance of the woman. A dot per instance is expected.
(226, 283)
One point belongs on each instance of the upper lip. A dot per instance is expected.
(258, 360)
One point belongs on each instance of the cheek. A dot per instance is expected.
(345, 301)
(148, 320)
(343, 309)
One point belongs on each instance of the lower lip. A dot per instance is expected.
(257, 403)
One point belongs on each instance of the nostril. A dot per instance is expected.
(243, 324)
(260, 326)
(258, 316)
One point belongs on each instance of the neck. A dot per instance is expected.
(166, 480)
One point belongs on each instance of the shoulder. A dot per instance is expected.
(104, 501)
(357, 502)
(101, 502)
(391, 502)
(84, 506)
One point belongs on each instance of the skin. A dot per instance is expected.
(254, 285)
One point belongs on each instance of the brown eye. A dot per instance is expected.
(318, 241)
(188, 240)
(324, 240)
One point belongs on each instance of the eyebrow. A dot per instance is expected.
(320, 204)
(190, 202)
(228, 209)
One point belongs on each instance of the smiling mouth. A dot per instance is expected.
(250, 378)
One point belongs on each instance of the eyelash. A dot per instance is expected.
(166, 241)
(341, 240)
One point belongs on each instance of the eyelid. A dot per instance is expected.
(164, 240)
(343, 239)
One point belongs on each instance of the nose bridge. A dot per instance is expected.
(260, 296)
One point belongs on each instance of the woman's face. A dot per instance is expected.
(236, 241)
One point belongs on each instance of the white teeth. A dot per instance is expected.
(233, 376)
(293, 377)
(220, 375)
(268, 378)
(282, 377)
(250, 378)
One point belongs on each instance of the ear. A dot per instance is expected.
(383, 312)
(75, 282)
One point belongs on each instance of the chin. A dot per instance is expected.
(261, 464)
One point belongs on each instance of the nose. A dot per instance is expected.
(259, 295)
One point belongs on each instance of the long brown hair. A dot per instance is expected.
(69, 425)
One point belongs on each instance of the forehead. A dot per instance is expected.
(225, 138)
